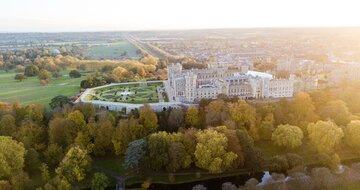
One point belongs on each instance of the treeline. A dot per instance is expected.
(216, 136)
(45, 65)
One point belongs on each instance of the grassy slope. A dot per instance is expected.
(30, 90)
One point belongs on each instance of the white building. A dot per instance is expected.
(193, 85)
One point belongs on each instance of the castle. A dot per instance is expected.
(189, 86)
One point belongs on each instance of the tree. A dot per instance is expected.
(135, 153)
(243, 115)
(7, 125)
(20, 77)
(31, 135)
(148, 118)
(211, 151)
(302, 111)
(59, 101)
(56, 74)
(158, 145)
(253, 156)
(32, 160)
(87, 109)
(53, 154)
(74, 74)
(178, 157)
(12, 157)
(324, 135)
(74, 165)
(288, 136)
(322, 178)
(82, 67)
(235, 147)
(192, 117)
(120, 74)
(31, 71)
(44, 75)
(175, 120)
(267, 127)
(99, 181)
(216, 113)
(104, 133)
(336, 110)
(61, 132)
(352, 134)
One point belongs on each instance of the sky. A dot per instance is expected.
(121, 15)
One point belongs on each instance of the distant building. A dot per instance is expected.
(232, 80)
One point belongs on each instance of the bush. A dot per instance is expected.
(75, 74)
(279, 163)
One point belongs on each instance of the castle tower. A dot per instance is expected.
(190, 86)
(173, 71)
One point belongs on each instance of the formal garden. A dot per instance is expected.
(137, 93)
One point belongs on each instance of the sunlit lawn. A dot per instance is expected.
(30, 90)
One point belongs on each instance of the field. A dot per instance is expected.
(30, 91)
(130, 93)
(111, 50)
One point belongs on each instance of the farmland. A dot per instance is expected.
(115, 50)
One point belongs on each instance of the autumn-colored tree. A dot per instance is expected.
(11, 157)
(103, 144)
(288, 136)
(120, 74)
(44, 75)
(77, 120)
(148, 118)
(216, 113)
(211, 151)
(352, 134)
(324, 135)
(337, 111)
(175, 120)
(192, 117)
(7, 125)
(88, 110)
(74, 165)
(31, 135)
(243, 115)
(124, 133)
(303, 111)
(61, 132)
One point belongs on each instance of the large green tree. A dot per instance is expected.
(243, 115)
(211, 154)
(337, 111)
(288, 136)
(324, 135)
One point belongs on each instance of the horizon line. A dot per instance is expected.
(185, 29)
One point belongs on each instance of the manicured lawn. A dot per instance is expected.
(30, 91)
(128, 93)
(111, 50)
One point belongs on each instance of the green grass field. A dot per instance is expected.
(111, 50)
(128, 93)
(30, 91)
